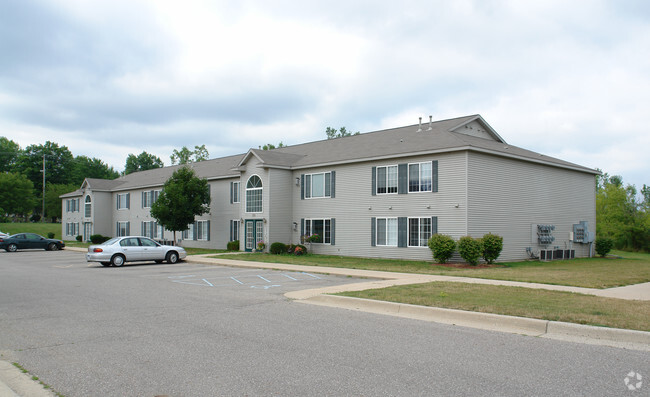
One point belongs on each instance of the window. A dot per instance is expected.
(203, 230)
(419, 232)
(320, 227)
(149, 229)
(88, 207)
(254, 194)
(318, 185)
(387, 179)
(189, 233)
(123, 201)
(160, 232)
(72, 205)
(420, 177)
(387, 231)
(72, 229)
(234, 230)
(234, 192)
(123, 229)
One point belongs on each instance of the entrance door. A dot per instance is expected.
(254, 233)
(88, 231)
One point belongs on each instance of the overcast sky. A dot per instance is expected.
(569, 79)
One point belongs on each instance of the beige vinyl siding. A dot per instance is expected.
(101, 213)
(354, 205)
(507, 196)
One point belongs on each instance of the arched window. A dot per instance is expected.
(254, 194)
(87, 209)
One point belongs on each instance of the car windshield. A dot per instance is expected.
(111, 241)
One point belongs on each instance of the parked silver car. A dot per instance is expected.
(119, 250)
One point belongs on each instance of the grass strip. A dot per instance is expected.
(632, 268)
(518, 301)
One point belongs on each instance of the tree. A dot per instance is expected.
(16, 194)
(270, 146)
(9, 153)
(619, 216)
(341, 132)
(186, 156)
(184, 196)
(85, 167)
(53, 205)
(58, 164)
(142, 162)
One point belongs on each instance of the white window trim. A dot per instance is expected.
(408, 171)
(387, 239)
(309, 192)
(408, 231)
(311, 220)
(236, 194)
(396, 180)
(260, 189)
(199, 230)
(119, 201)
(119, 227)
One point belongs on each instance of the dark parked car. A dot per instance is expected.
(30, 241)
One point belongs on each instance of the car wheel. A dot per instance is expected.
(106, 263)
(52, 247)
(12, 248)
(117, 260)
(172, 257)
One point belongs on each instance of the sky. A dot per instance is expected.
(568, 79)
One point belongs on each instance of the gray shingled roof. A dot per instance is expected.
(384, 144)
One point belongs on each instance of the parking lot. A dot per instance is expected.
(195, 330)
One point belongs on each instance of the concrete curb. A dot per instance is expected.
(13, 383)
(621, 338)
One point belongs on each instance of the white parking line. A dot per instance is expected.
(263, 278)
(236, 280)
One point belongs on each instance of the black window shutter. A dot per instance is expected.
(231, 192)
(332, 229)
(373, 230)
(208, 230)
(231, 236)
(128, 200)
(117, 229)
(128, 228)
(434, 225)
(194, 231)
(302, 186)
(302, 228)
(402, 228)
(117, 205)
(142, 228)
(402, 178)
(332, 185)
(434, 176)
(374, 181)
(142, 199)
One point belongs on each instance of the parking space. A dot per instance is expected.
(261, 280)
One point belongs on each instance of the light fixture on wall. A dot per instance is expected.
(295, 226)
(264, 220)
(241, 220)
(297, 181)
(457, 205)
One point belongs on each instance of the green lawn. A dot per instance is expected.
(632, 268)
(517, 301)
(29, 227)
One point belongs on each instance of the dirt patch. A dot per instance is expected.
(466, 266)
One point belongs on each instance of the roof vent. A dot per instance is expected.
(420, 127)
(430, 122)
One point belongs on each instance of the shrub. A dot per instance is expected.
(604, 245)
(233, 245)
(442, 247)
(278, 248)
(98, 238)
(79, 238)
(298, 250)
(470, 249)
(492, 247)
(50, 235)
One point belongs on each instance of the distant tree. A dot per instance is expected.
(9, 153)
(142, 162)
(341, 132)
(184, 196)
(270, 146)
(53, 206)
(186, 156)
(16, 194)
(58, 164)
(85, 167)
(620, 216)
